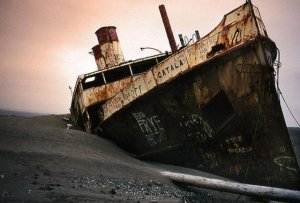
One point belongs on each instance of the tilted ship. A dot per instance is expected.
(211, 105)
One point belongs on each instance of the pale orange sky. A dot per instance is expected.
(45, 43)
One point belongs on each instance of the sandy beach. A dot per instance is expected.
(41, 160)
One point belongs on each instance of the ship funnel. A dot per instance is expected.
(168, 28)
(108, 53)
(98, 56)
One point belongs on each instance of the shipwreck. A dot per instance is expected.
(210, 105)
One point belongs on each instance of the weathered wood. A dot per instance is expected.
(234, 187)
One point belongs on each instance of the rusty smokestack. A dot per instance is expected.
(98, 57)
(110, 53)
(168, 28)
(96, 52)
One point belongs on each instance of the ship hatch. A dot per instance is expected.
(215, 49)
(219, 111)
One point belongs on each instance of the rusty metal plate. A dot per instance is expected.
(224, 120)
(237, 15)
(93, 95)
(98, 94)
(256, 12)
(134, 90)
(190, 54)
(260, 24)
(170, 68)
(204, 46)
(113, 105)
(261, 27)
(149, 80)
(236, 28)
(112, 54)
(114, 87)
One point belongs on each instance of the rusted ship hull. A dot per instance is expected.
(219, 118)
(211, 105)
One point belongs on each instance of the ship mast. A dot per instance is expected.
(168, 28)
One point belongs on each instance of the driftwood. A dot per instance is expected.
(234, 187)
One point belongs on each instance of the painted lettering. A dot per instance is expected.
(286, 162)
(195, 126)
(169, 69)
(151, 128)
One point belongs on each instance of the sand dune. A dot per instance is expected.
(41, 160)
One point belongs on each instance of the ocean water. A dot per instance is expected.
(20, 113)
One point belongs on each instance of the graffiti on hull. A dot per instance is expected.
(151, 128)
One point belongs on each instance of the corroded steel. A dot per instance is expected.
(235, 29)
(168, 28)
(211, 106)
(223, 118)
(102, 93)
(97, 52)
(84, 99)
(107, 34)
(110, 49)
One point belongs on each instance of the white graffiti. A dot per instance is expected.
(235, 147)
(239, 150)
(196, 126)
(151, 128)
(286, 162)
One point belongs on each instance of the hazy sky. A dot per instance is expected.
(44, 44)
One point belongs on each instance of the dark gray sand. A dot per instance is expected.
(41, 160)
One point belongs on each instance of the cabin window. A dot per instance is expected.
(143, 66)
(117, 74)
(92, 81)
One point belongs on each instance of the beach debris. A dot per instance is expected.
(66, 119)
(234, 187)
(69, 126)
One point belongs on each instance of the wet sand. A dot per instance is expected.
(41, 160)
